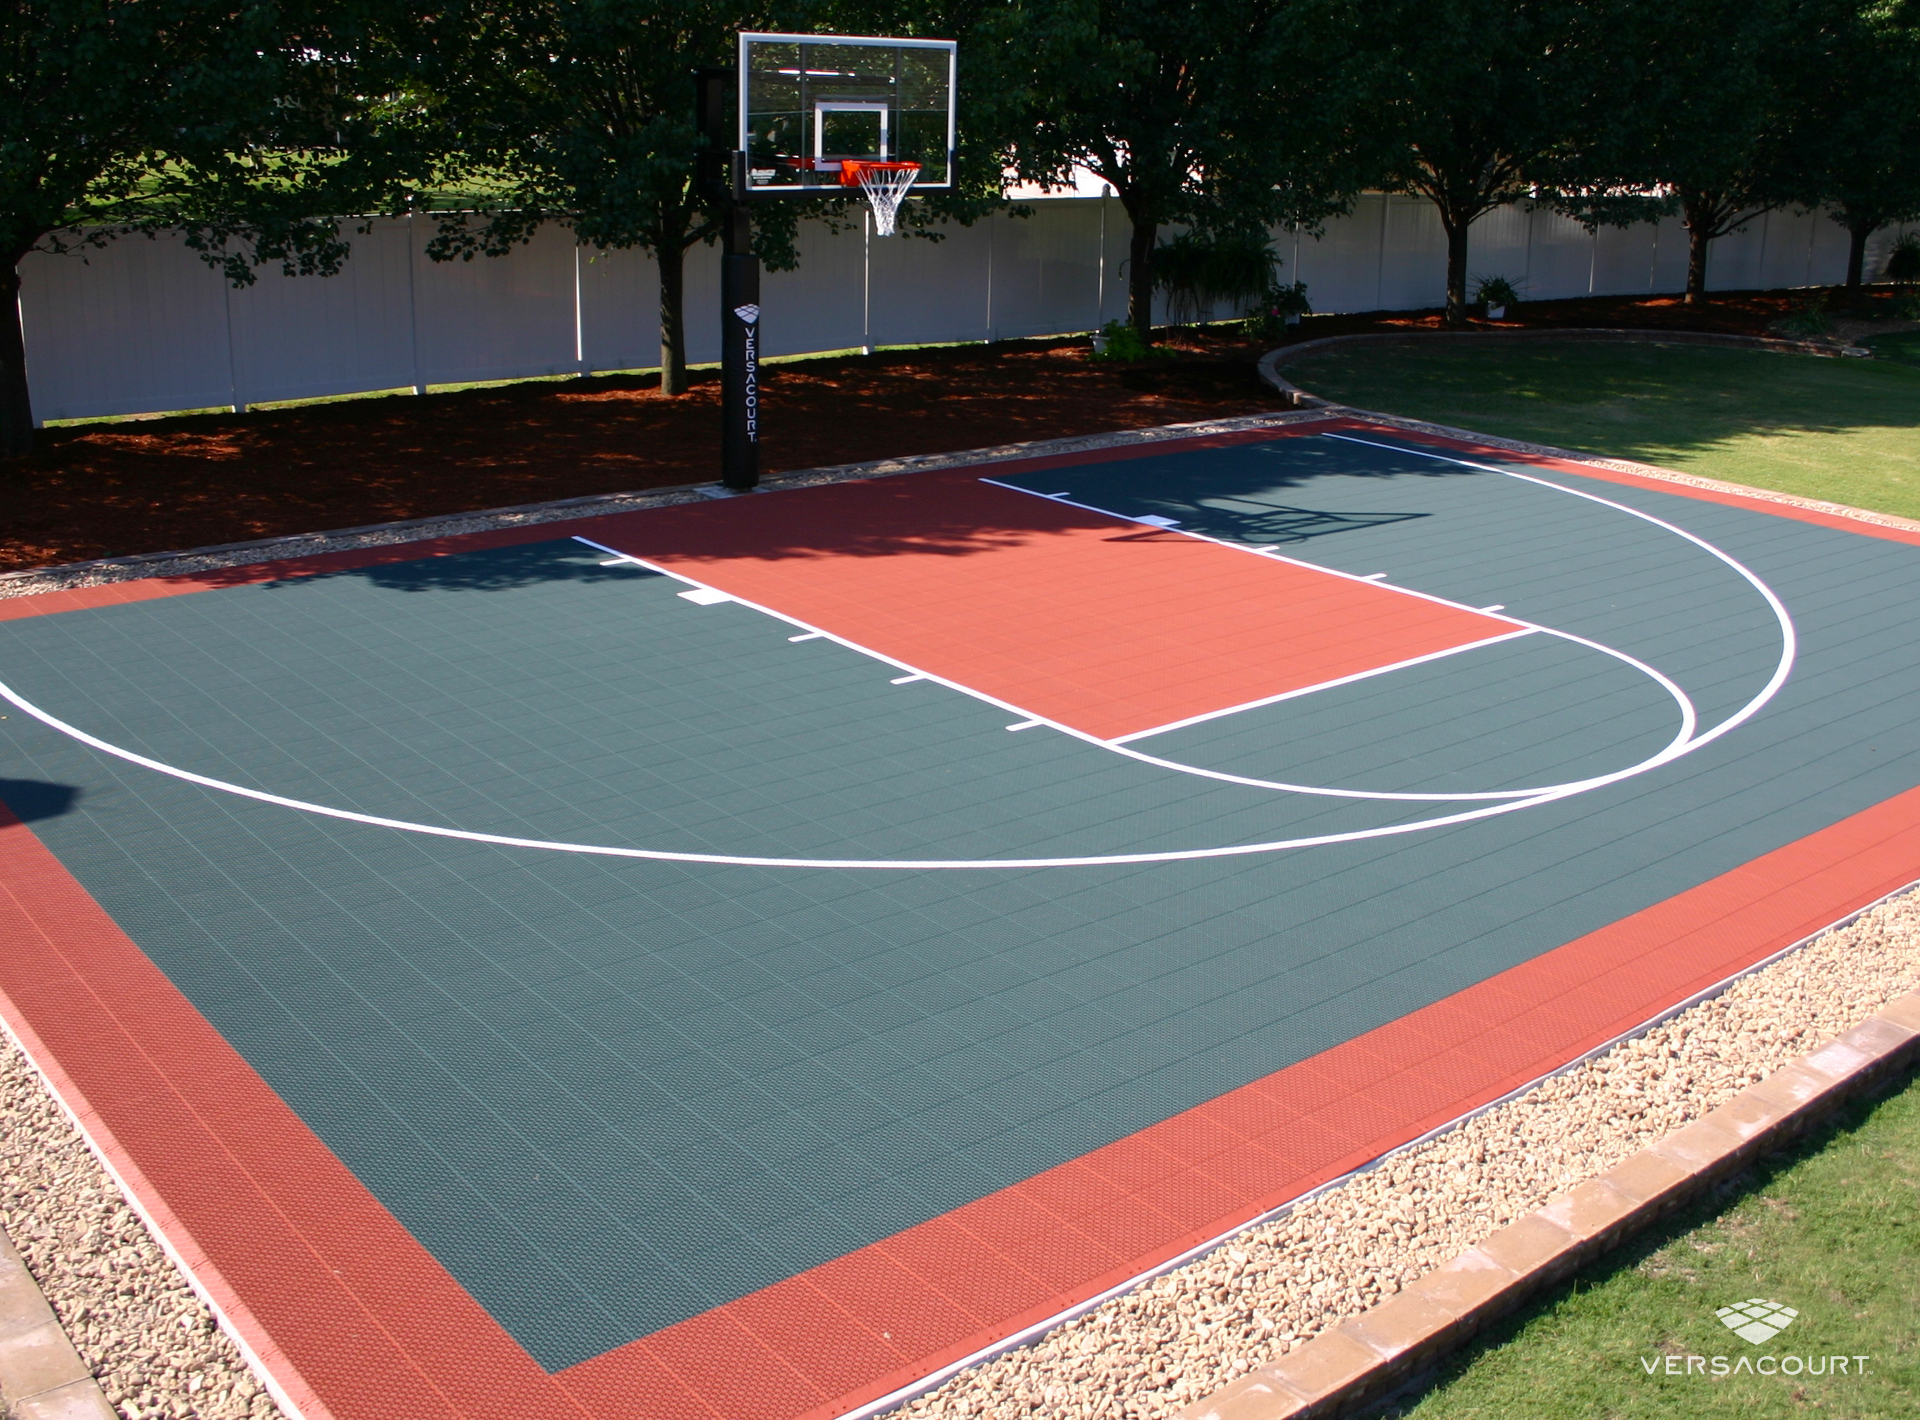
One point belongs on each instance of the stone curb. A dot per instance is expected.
(30, 581)
(1362, 1360)
(41, 1376)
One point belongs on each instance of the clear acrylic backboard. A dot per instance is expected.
(811, 103)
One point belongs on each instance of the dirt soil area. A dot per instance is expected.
(145, 484)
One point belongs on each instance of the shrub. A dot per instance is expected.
(1808, 318)
(1198, 273)
(1903, 262)
(1123, 342)
(1278, 303)
(1497, 291)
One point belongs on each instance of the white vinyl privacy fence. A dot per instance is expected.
(145, 326)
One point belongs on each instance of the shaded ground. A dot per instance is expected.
(1846, 430)
(152, 484)
(130, 486)
(1830, 1228)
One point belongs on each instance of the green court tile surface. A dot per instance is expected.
(609, 1094)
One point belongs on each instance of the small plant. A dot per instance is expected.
(1808, 319)
(1117, 340)
(1279, 307)
(1903, 262)
(1906, 306)
(1497, 293)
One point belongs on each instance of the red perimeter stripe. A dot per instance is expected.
(1089, 620)
(355, 1319)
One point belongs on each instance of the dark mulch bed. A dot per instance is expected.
(148, 485)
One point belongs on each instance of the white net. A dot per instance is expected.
(886, 185)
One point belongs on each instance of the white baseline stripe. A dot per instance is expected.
(1271, 554)
(1323, 685)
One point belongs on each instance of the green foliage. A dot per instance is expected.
(1903, 262)
(1228, 115)
(1477, 96)
(1496, 291)
(1808, 319)
(1197, 273)
(1120, 342)
(1281, 304)
(1850, 137)
(233, 121)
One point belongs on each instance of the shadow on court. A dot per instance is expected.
(34, 799)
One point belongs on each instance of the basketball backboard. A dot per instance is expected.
(810, 103)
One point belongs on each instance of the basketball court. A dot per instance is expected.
(739, 959)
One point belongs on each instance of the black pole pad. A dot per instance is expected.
(739, 354)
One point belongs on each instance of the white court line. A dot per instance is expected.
(1263, 551)
(1790, 639)
(1684, 743)
(906, 679)
(1323, 685)
(808, 636)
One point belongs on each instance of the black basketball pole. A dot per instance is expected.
(725, 177)
(739, 351)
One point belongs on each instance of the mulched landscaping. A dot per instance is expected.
(134, 485)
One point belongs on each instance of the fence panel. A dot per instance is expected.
(134, 328)
(300, 339)
(145, 326)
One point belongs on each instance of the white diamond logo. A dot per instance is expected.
(1756, 1319)
(748, 314)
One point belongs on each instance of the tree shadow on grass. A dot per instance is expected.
(1630, 400)
(1749, 1184)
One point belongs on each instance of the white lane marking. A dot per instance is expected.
(906, 679)
(706, 596)
(1683, 744)
(1323, 685)
(1260, 551)
(808, 636)
(1790, 639)
(1027, 725)
(743, 860)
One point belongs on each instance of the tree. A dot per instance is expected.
(1228, 115)
(1851, 96)
(212, 117)
(1481, 101)
(582, 112)
(1691, 124)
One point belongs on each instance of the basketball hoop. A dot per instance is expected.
(885, 185)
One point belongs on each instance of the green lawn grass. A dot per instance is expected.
(1830, 1227)
(1846, 430)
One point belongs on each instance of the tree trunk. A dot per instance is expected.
(1140, 277)
(1456, 268)
(1857, 256)
(671, 259)
(16, 406)
(1700, 233)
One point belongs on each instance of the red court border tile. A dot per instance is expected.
(354, 1320)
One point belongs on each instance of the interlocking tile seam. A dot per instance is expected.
(1363, 1359)
(41, 1374)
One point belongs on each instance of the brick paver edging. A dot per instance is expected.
(41, 1376)
(1359, 1361)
